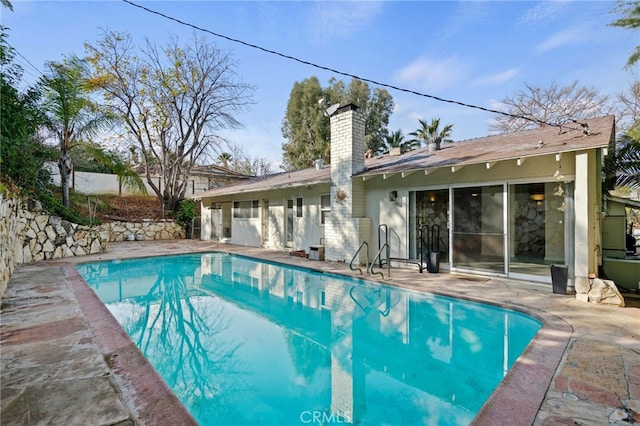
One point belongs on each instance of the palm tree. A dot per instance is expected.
(622, 168)
(70, 114)
(126, 174)
(224, 158)
(431, 134)
(396, 140)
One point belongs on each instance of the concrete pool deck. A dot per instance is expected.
(65, 360)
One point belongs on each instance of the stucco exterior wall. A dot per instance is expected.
(307, 230)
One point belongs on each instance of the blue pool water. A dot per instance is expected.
(246, 342)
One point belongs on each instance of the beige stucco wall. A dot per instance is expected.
(307, 229)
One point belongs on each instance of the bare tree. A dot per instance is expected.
(628, 107)
(173, 101)
(239, 162)
(538, 106)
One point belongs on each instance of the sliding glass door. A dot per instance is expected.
(540, 221)
(479, 233)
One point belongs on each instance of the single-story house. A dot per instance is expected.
(506, 205)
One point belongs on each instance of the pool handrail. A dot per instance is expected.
(366, 253)
(378, 257)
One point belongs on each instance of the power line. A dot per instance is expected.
(27, 61)
(346, 74)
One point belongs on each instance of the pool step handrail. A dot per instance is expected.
(420, 263)
(366, 254)
(379, 257)
(382, 228)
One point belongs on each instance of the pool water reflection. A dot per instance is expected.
(241, 341)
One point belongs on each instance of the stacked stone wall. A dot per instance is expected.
(143, 231)
(28, 234)
(49, 237)
(9, 238)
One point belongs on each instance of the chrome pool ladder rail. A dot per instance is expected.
(378, 257)
(366, 254)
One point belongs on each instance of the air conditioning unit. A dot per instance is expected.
(316, 253)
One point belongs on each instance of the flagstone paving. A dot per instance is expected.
(65, 361)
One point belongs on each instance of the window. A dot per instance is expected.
(299, 207)
(245, 209)
(325, 208)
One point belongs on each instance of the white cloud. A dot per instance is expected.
(544, 11)
(427, 74)
(562, 38)
(497, 78)
(339, 20)
(496, 104)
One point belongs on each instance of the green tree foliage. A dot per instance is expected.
(622, 167)
(71, 116)
(186, 212)
(376, 105)
(22, 153)
(306, 126)
(630, 20)
(431, 133)
(173, 100)
(397, 140)
(224, 158)
(112, 163)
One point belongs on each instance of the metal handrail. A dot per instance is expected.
(377, 257)
(364, 243)
(383, 228)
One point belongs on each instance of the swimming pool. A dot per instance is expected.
(242, 341)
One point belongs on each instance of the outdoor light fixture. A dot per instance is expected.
(393, 195)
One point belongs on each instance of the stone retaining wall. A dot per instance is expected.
(29, 234)
(143, 231)
(9, 239)
(49, 237)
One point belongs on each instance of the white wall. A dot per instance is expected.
(106, 183)
(307, 229)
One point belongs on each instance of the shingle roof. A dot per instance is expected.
(296, 178)
(529, 143)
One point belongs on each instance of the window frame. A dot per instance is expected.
(325, 210)
(246, 209)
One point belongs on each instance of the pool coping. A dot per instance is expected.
(141, 388)
(516, 400)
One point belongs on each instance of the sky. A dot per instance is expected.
(474, 52)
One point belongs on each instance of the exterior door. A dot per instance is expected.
(226, 220)
(216, 222)
(479, 231)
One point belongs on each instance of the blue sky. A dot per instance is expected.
(476, 52)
